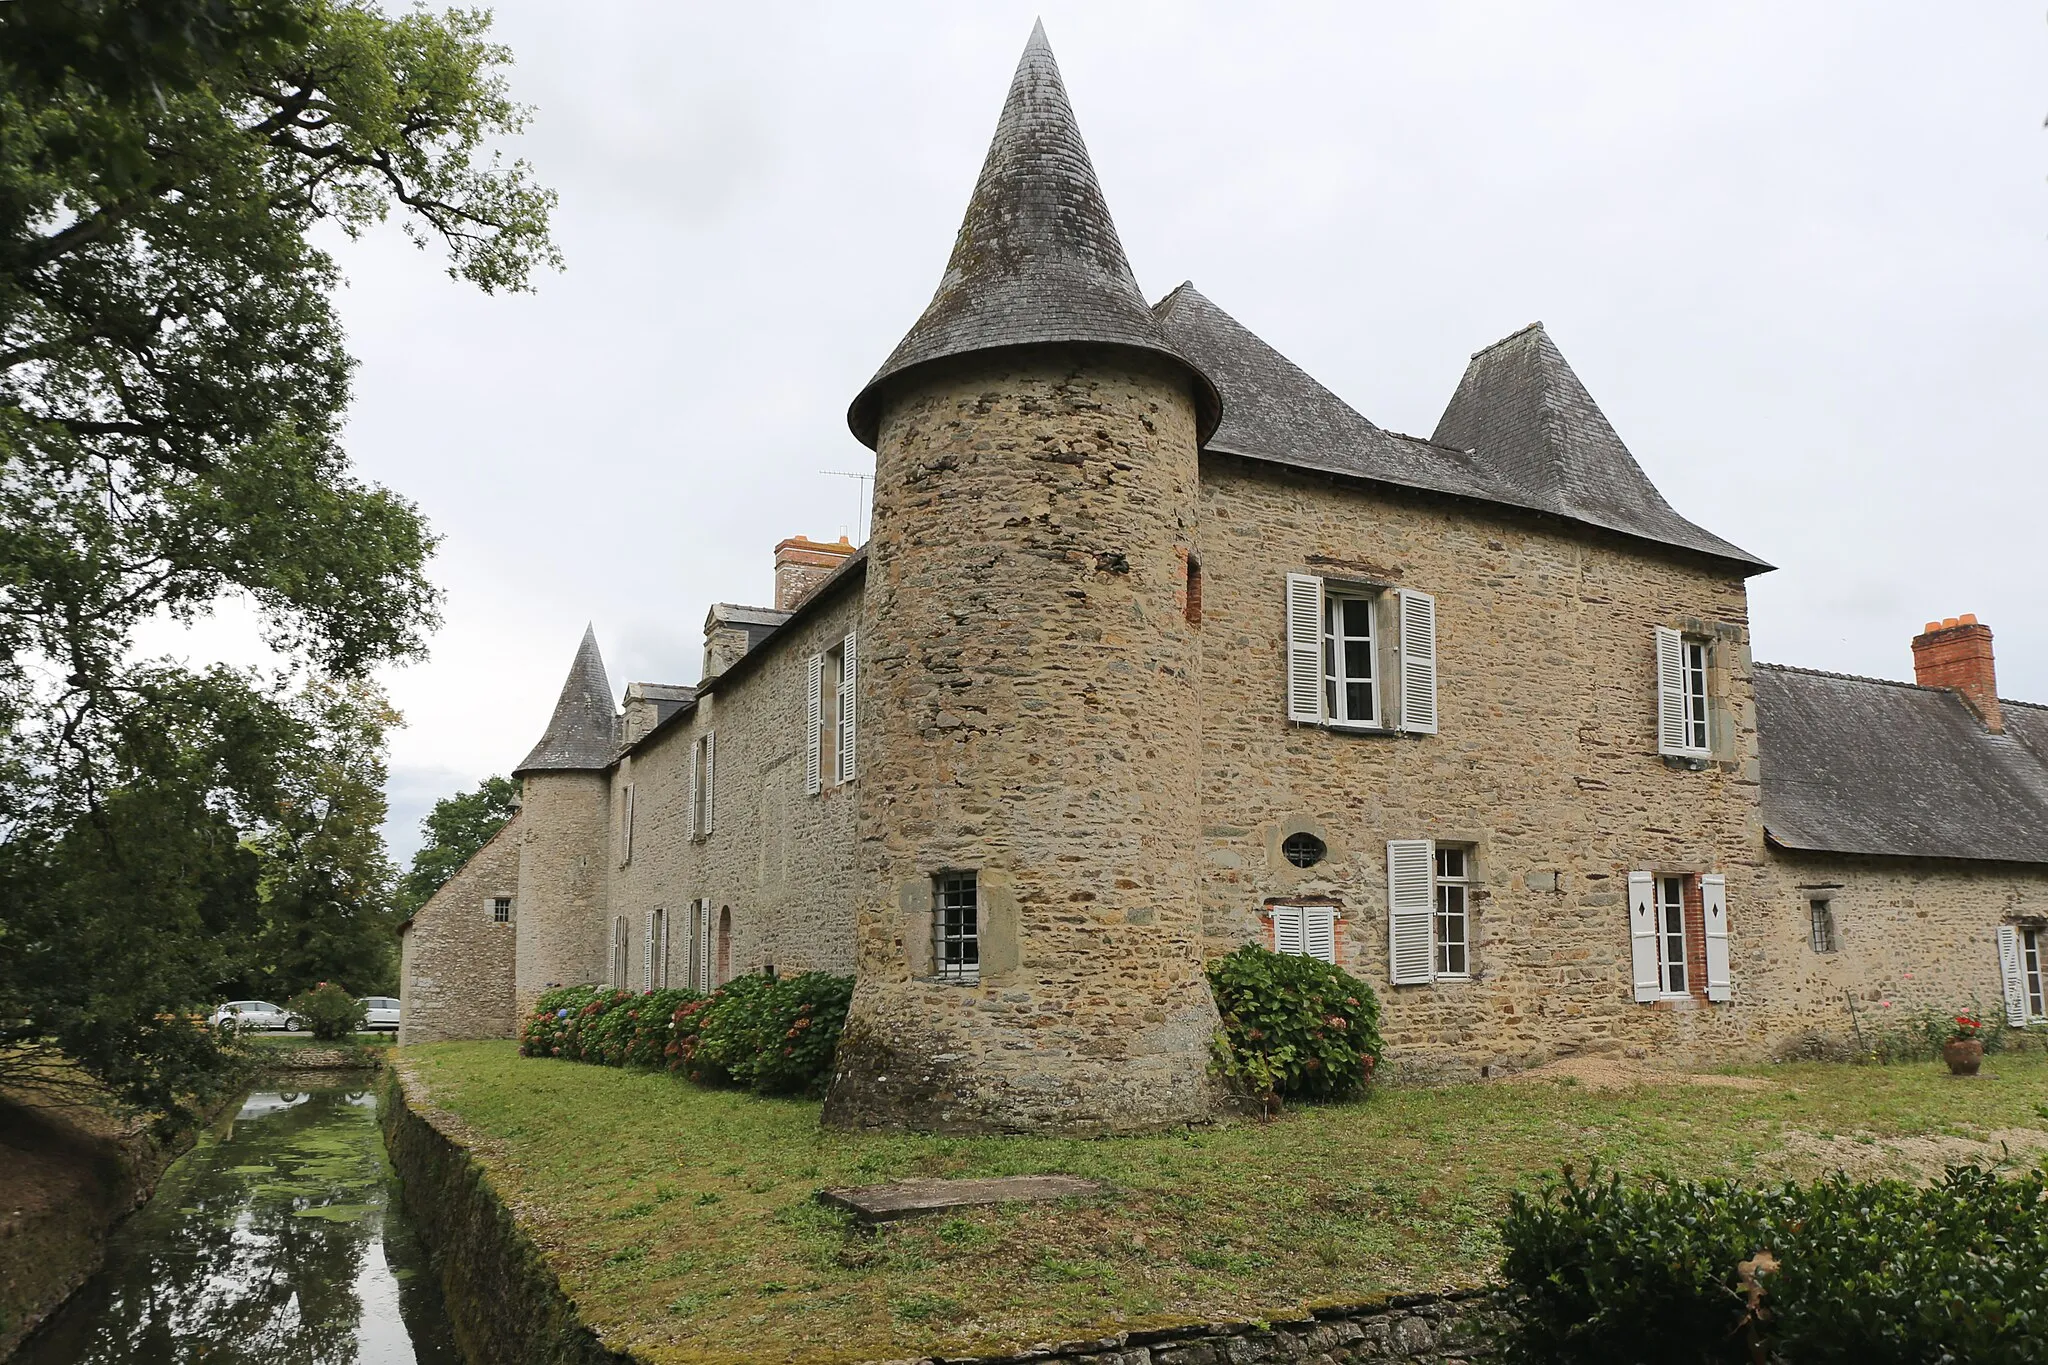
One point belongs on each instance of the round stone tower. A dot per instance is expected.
(1029, 945)
(564, 829)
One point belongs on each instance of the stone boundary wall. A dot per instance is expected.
(507, 1305)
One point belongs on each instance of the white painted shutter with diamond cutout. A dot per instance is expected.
(846, 667)
(1417, 611)
(1714, 906)
(2012, 976)
(1642, 935)
(1671, 734)
(814, 719)
(1305, 648)
(1411, 911)
(1287, 935)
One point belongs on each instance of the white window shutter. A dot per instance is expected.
(710, 786)
(661, 972)
(1642, 935)
(1305, 648)
(696, 776)
(1287, 930)
(1671, 734)
(647, 955)
(628, 850)
(1319, 933)
(846, 671)
(1411, 911)
(1714, 907)
(1418, 660)
(814, 719)
(2011, 976)
(704, 945)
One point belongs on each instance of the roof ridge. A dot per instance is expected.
(1535, 326)
(1848, 677)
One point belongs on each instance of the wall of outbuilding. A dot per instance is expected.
(455, 961)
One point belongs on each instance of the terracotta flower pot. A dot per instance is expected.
(1963, 1055)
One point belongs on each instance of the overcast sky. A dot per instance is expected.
(1796, 251)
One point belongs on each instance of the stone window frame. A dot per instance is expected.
(491, 904)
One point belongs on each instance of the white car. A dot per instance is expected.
(380, 1012)
(247, 1016)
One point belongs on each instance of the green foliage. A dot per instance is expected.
(456, 828)
(330, 1012)
(1613, 1274)
(173, 383)
(1294, 1026)
(773, 1036)
(1889, 1036)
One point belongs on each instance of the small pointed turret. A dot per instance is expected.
(584, 730)
(1037, 260)
(1531, 423)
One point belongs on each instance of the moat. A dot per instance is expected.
(278, 1238)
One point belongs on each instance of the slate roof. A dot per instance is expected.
(583, 732)
(1037, 260)
(1532, 423)
(1275, 412)
(1860, 765)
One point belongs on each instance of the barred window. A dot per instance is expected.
(501, 909)
(1822, 916)
(956, 927)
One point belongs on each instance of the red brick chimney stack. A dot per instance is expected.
(1956, 653)
(801, 564)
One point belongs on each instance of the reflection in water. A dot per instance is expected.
(276, 1241)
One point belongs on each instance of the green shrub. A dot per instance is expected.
(1294, 1026)
(798, 1032)
(551, 1025)
(729, 1033)
(1880, 1272)
(329, 1011)
(1886, 1036)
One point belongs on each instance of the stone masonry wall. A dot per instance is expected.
(455, 961)
(1545, 763)
(779, 861)
(1910, 934)
(1029, 690)
(564, 831)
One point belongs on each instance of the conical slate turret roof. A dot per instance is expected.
(584, 731)
(1037, 260)
(1532, 424)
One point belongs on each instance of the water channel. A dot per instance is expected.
(277, 1240)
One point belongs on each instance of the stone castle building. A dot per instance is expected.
(1157, 648)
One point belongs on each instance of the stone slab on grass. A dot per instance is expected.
(910, 1198)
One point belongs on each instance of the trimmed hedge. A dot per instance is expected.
(1877, 1273)
(1294, 1026)
(775, 1036)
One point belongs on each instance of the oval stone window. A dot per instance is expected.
(1304, 850)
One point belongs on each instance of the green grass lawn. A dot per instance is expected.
(682, 1222)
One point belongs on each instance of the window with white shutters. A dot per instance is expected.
(1351, 685)
(1453, 911)
(647, 954)
(1671, 964)
(1681, 695)
(1305, 931)
(710, 778)
(814, 720)
(844, 748)
(1417, 614)
(626, 827)
(703, 778)
(1411, 912)
(2022, 958)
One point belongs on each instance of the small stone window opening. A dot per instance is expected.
(1821, 917)
(956, 927)
(1453, 911)
(1304, 850)
(501, 909)
(1194, 591)
(1671, 963)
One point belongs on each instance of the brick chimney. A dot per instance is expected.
(1956, 653)
(801, 564)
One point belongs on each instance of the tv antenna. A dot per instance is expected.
(861, 513)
